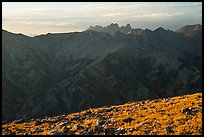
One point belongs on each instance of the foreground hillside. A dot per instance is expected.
(177, 115)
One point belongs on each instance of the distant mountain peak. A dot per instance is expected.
(128, 25)
(160, 29)
(112, 28)
(190, 30)
(196, 27)
(114, 24)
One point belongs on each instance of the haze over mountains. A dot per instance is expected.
(67, 72)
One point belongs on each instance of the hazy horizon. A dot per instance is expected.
(36, 18)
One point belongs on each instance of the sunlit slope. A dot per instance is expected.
(177, 116)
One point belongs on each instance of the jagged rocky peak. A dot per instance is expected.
(137, 31)
(160, 29)
(113, 25)
(97, 28)
(88, 32)
(112, 28)
(127, 26)
(126, 29)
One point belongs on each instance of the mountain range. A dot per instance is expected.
(60, 73)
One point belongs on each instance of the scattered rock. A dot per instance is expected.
(89, 124)
(127, 120)
(142, 124)
(38, 122)
(153, 133)
(105, 110)
(130, 130)
(195, 109)
(99, 116)
(98, 129)
(167, 100)
(12, 133)
(156, 100)
(38, 130)
(61, 124)
(171, 103)
(79, 127)
(185, 110)
(142, 102)
(83, 116)
(154, 119)
(169, 130)
(117, 109)
(147, 101)
(181, 122)
(151, 106)
(189, 113)
(188, 133)
(101, 121)
(54, 132)
(75, 118)
(110, 131)
(61, 133)
(88, 112)
(147, 132)
(60, 118)
(3, 122)
(18, 121)
(65, 129)
(74, 133)
(169, 123)
(86, 133)
(120, 131)
(199, 96)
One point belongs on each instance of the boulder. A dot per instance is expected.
(127, 120)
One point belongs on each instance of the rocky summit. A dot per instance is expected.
(52, 74)
(180, 115)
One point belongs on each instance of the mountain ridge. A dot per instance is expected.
(69, 72)
(194, 27)
(113, 27)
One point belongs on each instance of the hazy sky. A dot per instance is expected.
(34, 18)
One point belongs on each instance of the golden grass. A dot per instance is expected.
(149, 117)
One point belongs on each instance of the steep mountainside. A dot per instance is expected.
(68, 72)
(181, 115)
(190, 30)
